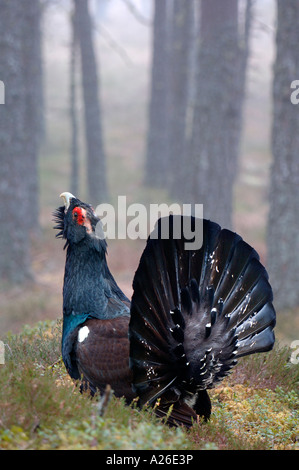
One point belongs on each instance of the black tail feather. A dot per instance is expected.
(179, 414)
(194, 312)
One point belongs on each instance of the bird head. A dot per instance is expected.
(76, 221)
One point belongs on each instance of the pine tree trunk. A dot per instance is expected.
(217, 111)
(96, 161)
(157, 149)
(283, 225)
(73, 112)
(14, 195)
(179, 83)
(33, 82)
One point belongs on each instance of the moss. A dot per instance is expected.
(257, 407)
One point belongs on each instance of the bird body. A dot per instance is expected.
(193, 313)
(102, 354)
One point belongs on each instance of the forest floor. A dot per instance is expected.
(255, 408)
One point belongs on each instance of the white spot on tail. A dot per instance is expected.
(83, 333)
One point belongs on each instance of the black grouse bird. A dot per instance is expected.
(193, 313)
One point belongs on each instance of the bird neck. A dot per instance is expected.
(89, 285)
(84, 280)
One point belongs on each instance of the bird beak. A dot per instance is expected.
(66, 199)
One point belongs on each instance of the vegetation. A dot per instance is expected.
(257, 407)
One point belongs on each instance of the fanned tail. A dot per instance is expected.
(194, 313)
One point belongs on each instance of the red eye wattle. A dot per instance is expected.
(78, 215)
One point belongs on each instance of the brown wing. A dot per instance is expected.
(102, 354)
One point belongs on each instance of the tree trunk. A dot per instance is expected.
(73, 112)
(179, 83)
(217, 111)
(96, 161)
(156, 164)
(14, 195)
(33, 83)
(283, 228)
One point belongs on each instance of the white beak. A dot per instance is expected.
(66, 198)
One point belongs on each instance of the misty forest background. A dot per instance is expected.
(161, 101)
